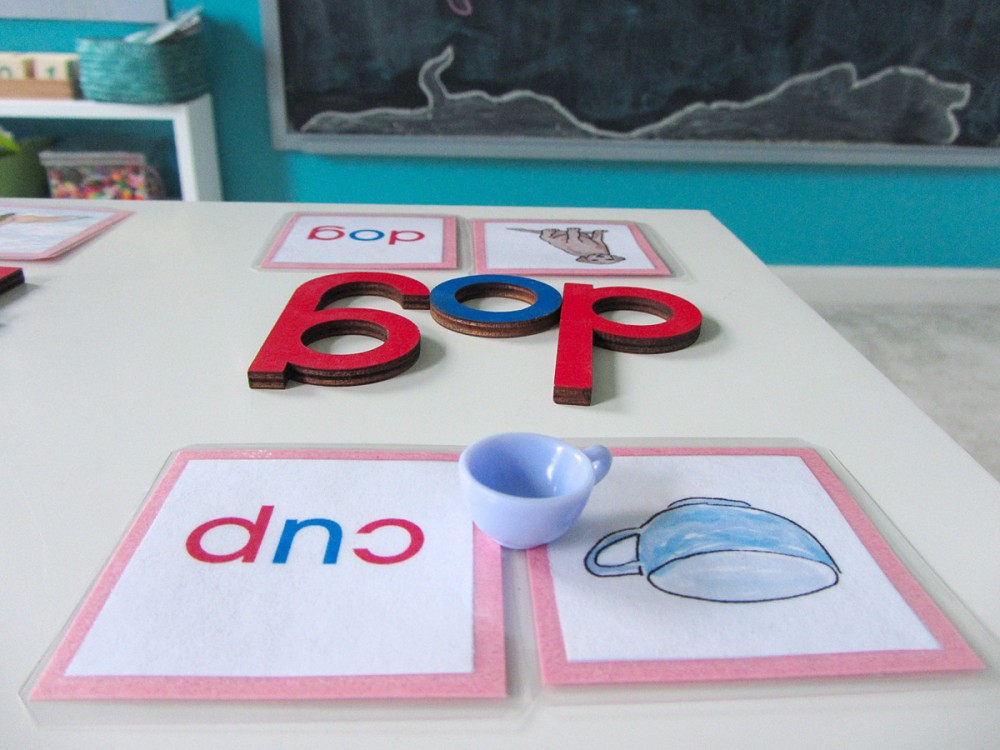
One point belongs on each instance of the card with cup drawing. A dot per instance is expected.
(702, 564)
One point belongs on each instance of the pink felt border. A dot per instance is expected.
(482, 262)
(955, 654)
(487, 680)
(114, 216)
(449, 249)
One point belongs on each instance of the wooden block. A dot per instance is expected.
(10, 277)
(32, 89)
(15, 66)
(56, 66)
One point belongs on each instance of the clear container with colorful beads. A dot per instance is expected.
(117, 175)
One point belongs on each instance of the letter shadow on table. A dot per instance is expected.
(605, 388)
(432, 353)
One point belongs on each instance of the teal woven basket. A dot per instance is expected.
(112, 70)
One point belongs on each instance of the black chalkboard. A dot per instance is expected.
(621, 74)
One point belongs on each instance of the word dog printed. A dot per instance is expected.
(329, 233)
(363, 241)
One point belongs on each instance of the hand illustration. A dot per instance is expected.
(588, 247)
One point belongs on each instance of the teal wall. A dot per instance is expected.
(788, 214)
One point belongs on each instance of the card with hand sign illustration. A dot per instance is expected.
(565, 247)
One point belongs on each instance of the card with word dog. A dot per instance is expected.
(315, 241)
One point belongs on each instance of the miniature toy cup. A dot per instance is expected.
(524, 489)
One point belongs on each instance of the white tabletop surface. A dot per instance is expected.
(138, 343)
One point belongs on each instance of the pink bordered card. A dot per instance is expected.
(36, 232)
(561, 247)
(285, 574)
(731, 564)
(351, 241)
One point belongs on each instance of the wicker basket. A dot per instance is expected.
(113, 70)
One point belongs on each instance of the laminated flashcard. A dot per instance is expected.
(565, 248)
(291, 574)
(34, 232)
(345, 241)
(702, 564)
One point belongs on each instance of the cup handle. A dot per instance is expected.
(601, 459)
(629, 568)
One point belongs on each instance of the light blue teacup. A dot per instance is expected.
(719, 550)
(525, 489)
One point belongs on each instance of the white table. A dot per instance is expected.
(138, 343)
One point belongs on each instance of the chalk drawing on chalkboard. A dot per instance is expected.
(896, 104)
(855, 81)
(519, 112)
(460, 7)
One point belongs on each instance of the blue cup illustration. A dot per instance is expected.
(720, 550)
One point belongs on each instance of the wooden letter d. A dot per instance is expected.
(286, 353)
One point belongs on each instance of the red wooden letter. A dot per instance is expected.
(10, 278)
(286, 354)
(582, 326)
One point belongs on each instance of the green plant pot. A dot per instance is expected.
(21, 174)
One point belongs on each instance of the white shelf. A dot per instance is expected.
(193, 128)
